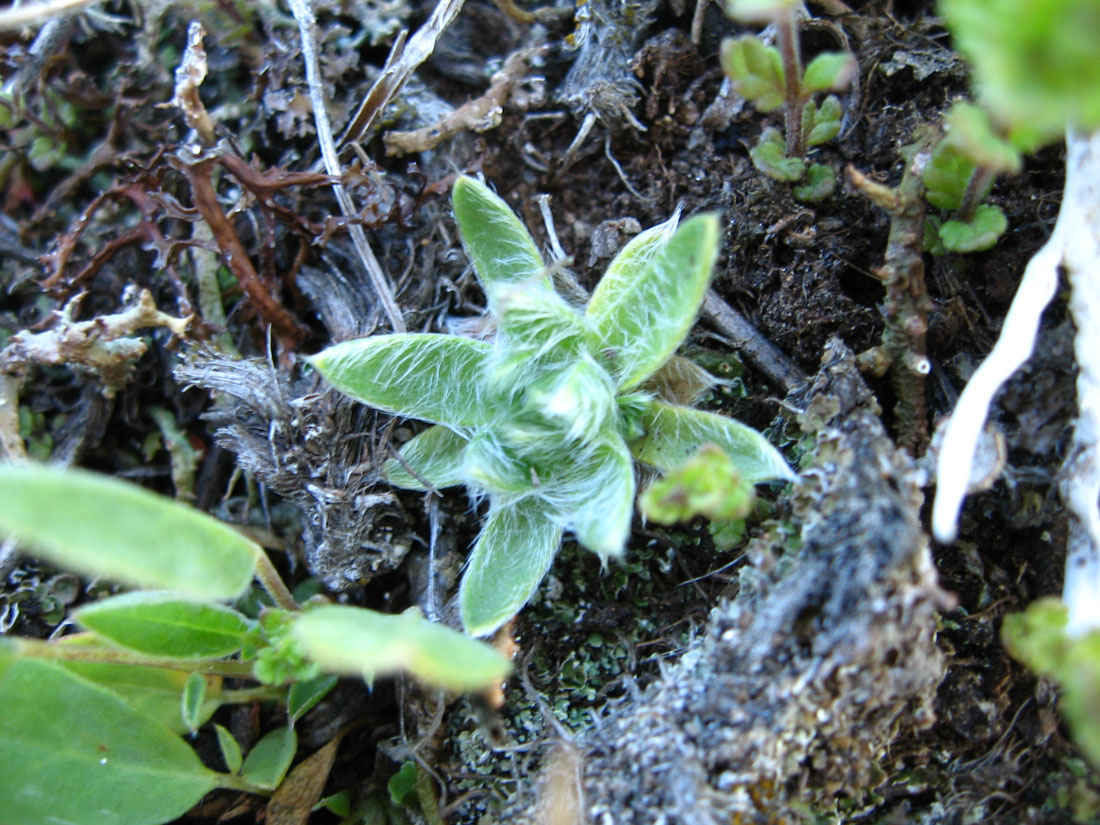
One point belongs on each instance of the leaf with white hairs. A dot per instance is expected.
(503, 252)
(673, 434)
(640, 314)
(436, 378)
(511, 557)
(436, 456)
(594, 497)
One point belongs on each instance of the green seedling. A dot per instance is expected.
(547, 421)
(772, 78)
(707, 484)
(959, 176)
(1038, 637)
(1034, 63)
(95, 718)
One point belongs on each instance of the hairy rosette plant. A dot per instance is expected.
(548, 419)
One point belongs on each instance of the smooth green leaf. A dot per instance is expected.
(821, 123)
(100, 526)
(501, 249)
(594, 495)
(673, 434)
(304, 696)
(402, 783)
(946, 177)
(74, 752)
(164, 624)
(194, 700)
(230, 748)
(435, 454)
(769, 155)
(971, 132)
(638, 324)
(511, 557)
(820, 182)
(365, 643)
(154, 692)
(420, 375)
(756, 71)
(831, 71)
(976, 235)
(269, 760)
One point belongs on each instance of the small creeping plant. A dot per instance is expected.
(548, 419)
(90, 723)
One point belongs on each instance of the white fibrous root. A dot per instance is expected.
(1073, 246)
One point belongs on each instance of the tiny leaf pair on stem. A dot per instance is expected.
(100, 713)
(772, 78)
(548, 420)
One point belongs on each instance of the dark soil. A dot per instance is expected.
(816, 673)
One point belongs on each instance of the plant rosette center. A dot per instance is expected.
(549, 419)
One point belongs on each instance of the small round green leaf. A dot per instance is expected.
(100, 526)
(831, 71)
(976, 235)
(163, 624)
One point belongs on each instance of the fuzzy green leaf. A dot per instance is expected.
(365, 643)
(100, 526)
(231, 750)
(971, 132)
(193, 701)
(436, 378)
(673, 434)
(831, 71)
(976, 235)
(638, 323)
(756, 71)
(163, 624)
(511, 557)
(269, 760)
(769, 155)
(821, 123)
(497, 469)
(435, 454)
(594, 495)
(819, 184)
(76, 753)
(946, 177)
(503, 252)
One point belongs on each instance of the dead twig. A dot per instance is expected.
(761, 352)
(478, 115)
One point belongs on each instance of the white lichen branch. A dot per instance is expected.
(1073, 246)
